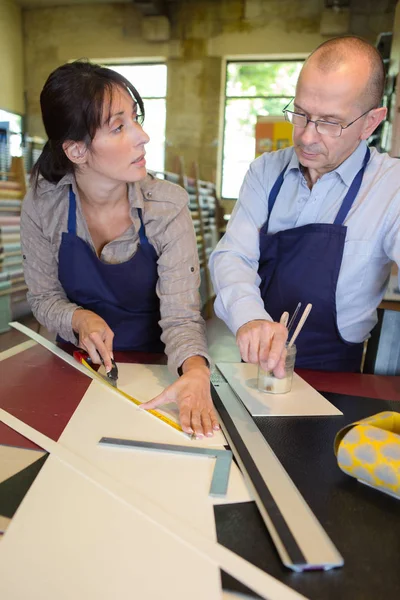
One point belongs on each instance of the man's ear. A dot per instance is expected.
(374, 118)
(75, 151)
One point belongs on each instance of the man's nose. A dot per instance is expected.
(310, 134)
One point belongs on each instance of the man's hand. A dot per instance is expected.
(192, 394)
(95, 336)
(263, 342)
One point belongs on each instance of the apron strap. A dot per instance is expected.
(352, 192)
(72, 212)
(274, 193)
(72, 218)
(142, 233)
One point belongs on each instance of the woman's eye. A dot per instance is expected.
(118, 129)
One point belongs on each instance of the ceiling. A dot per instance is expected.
(146, 7)
(53, 3)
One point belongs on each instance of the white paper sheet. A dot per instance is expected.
(145, 382)
(149, 511)
(303, 400)
(179, 483)
(71, 539)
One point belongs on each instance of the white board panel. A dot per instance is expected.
(302, 401)
(71, 539)
(180, 484)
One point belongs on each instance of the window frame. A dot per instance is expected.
(224, 98)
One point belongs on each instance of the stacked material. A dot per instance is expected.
(203, 206)
(13, 304)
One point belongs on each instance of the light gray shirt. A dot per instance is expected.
(169, 229)
(372, 239)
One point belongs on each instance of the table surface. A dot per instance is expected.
(43, 391)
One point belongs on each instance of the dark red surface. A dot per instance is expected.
(9, 437)
(43, 391)
(354, 384)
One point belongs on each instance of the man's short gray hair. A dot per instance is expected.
(331, 54)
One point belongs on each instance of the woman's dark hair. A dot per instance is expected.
(72, 103)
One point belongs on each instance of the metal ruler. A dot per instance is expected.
(87, 370)
(298, 536)
(220, 478)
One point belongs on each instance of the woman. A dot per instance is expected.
(110, 255)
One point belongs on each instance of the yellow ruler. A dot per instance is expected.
(97, 377)
(87, 370)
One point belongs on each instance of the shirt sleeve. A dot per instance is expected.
(392, 238)
(234, 262)
(46, 295)
(183, 328)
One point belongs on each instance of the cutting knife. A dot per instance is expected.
(111, 377)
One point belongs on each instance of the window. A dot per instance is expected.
(253, 89)
(150, 80)
(10, 138)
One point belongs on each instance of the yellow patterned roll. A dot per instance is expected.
(370, 451)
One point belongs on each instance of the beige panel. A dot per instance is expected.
(11, 58)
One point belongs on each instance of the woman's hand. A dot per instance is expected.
(95, 336)
(192, 394)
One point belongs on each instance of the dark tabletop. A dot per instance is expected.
(363, 523)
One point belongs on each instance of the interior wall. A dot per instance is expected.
(203, 34)
(11, 58)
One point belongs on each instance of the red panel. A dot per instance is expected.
(9, 437)
(43, 391)
(354, 384)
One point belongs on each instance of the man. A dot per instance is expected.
(318, 222)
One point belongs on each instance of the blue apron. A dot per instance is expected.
(302, 265)
(123, 294)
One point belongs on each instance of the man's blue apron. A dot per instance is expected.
(123, 294)
(302, 265)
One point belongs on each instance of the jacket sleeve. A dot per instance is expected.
(46, 295)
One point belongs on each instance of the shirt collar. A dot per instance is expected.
(293, 164)
(350, 167)
(346, 171)
(135, 190)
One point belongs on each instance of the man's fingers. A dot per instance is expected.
(243, 343)
(254, 347)
(277, 346)
(279, 370)
(265, 346)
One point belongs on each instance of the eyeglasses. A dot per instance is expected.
(323, 127)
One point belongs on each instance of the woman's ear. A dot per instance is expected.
(75, 151)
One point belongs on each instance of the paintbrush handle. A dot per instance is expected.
(300, 325)
(292, 320)
(284, 318)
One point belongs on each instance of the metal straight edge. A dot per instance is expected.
(220, 478)
(299, 538)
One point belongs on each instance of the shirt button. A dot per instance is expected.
(192, 269)
(149, 195)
